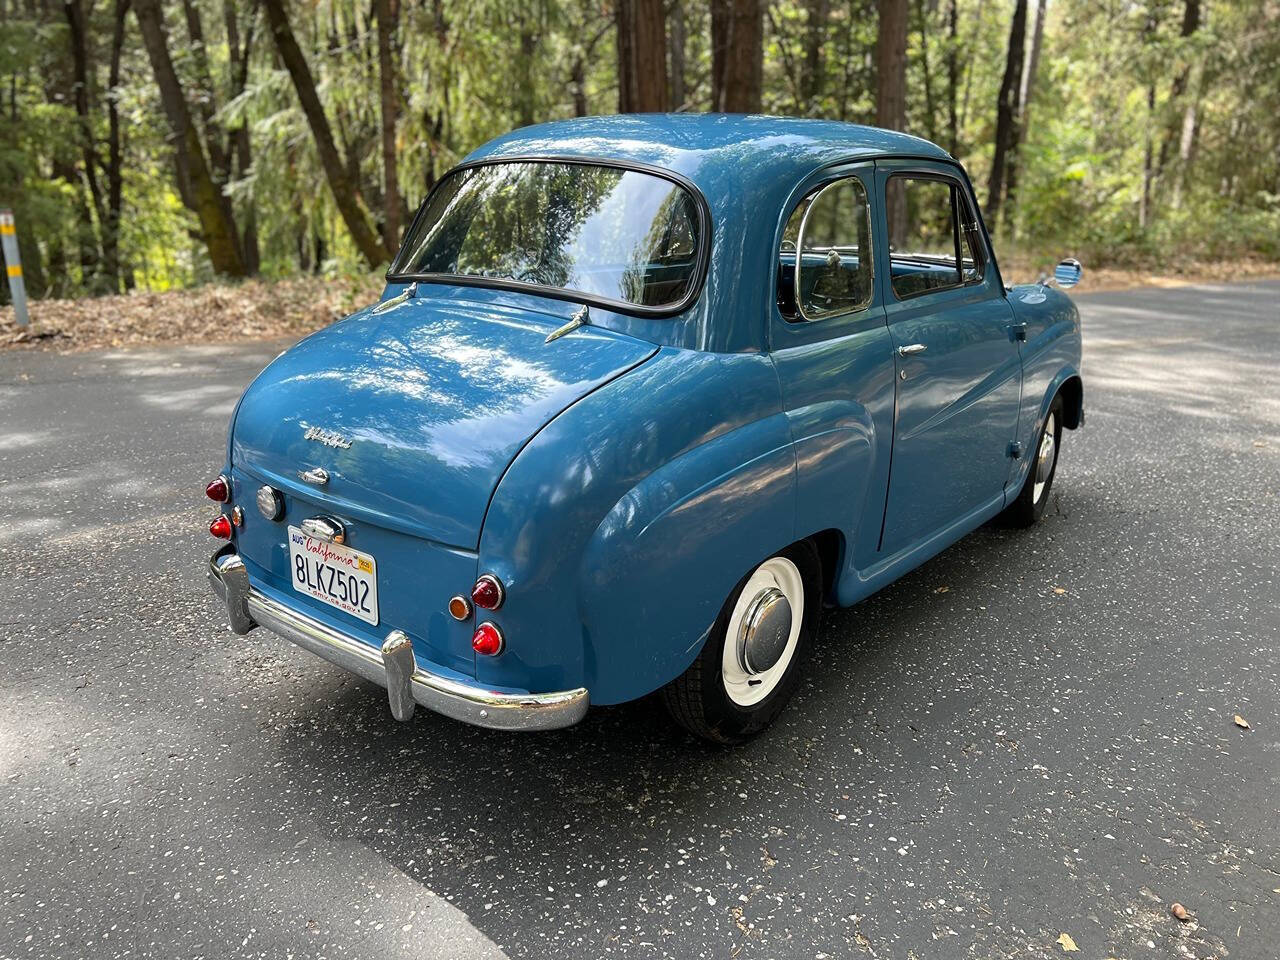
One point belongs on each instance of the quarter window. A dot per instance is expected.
(933, 236)
(825, 261)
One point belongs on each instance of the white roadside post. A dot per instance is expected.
(13, 263)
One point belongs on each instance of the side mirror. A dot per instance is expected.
(1068, 273)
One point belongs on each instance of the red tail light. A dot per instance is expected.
(488, 592)
(219, 489)
(220, 527)
(487, 640)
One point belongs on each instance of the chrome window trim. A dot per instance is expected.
(811, 198)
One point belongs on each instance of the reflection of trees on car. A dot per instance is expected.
(603, 230)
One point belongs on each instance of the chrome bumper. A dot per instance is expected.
(394, 667)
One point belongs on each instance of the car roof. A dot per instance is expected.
(715, 150)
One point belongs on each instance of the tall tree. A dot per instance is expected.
(195, 179)
(642, 56)
(341, 182)
(891, 65)
(115, 160)
(737, 55)
(676, 53)
(1025, 92)
(239, 49)
(77, 22)
(813, 69)
(1007, 111)
(953, 77)
(1176, 129)
(387, 13)
(891, 97)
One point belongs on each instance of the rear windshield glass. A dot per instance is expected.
(620, 235)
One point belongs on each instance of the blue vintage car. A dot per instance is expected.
(644, 393)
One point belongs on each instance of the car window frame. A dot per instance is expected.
(701, 266)
(861, 169)
(972, 230)
(811, 198)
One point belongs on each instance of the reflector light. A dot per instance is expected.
(459, 607)
(487, 640)
(220, 527)
(219, 489)
(488, 593)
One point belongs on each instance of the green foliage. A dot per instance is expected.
(1142, 143)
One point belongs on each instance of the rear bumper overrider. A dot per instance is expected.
(394, 666)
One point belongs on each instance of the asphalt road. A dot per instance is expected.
(1031, 735)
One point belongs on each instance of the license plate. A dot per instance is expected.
(337, 575)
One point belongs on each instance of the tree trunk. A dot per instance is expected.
(76, 21)
(642, 56)
(1178, 91)
(1007, 111)
(1148, 159)
(345, 195)
(953, 78)
(813, 69)
(115, 169)
(930, 111)
(217, 229)
(675, 46)
(239, 146)
(891, 66)
(1025, 92)
(891, 99)
(737, 55)
(525, 87)
(387, 15)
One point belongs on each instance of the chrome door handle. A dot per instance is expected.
(317, 475)
(324, 528)
(911, 348)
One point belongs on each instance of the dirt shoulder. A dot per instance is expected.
(258, 309)
(215, 313)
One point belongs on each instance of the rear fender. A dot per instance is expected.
(621, 527)
(662, 562)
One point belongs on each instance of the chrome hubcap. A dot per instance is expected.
(1045, 456)
(764, 631)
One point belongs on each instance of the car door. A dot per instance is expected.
(831, 349)
(958, 370)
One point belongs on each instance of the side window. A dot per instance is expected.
(933, 240)
(825, 264)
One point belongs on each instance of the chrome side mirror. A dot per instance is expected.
(1066, 274)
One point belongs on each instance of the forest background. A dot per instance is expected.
(148, 145)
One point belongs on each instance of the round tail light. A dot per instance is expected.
(218, 489)
(220, 527)
(487, 640)
(488, 592)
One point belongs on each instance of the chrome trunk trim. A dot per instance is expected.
(393, 667)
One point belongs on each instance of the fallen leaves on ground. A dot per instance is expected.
(1068, 945)
(255, 309)
(1241, 722)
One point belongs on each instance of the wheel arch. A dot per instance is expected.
(1072, 393)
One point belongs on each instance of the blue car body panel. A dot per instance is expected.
(622, 479)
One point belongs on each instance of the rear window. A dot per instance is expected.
(617, 235)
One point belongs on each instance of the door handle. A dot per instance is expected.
(911, 348)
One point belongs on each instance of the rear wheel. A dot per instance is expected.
(749, 667)
(1034, 495)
